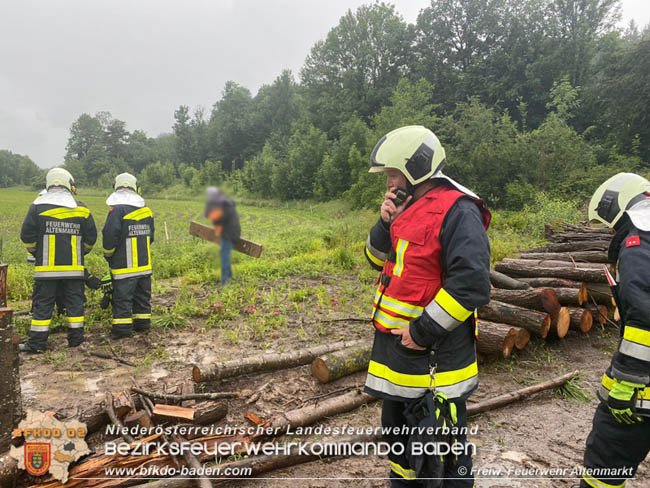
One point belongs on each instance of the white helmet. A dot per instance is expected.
(60, 177)
(624, 192)
(126, 180)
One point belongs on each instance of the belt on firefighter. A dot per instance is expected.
(384, 279)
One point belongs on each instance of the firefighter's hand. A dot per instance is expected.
(622, 401)
(406, 339)
(389, 211)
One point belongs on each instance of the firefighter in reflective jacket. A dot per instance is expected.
(620, 437)
(127, 237)
(431, 247)
(58, 232)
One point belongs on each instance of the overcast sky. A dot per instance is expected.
(141, 59)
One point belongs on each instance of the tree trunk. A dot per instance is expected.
(267, 362)
(570, 273)
(341, 363)
(577, 256)
(553, 264)
(522, 337)
(540, 299)
(537, 323)
(560, 324)
(499, 280)
(207, 233)
(581, 320)
(598, 312)
(495, 339)
(539, 282)
(601, 293)
(595, 245)
(10, 395)
(574, 297)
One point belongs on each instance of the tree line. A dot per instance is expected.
(525, 95)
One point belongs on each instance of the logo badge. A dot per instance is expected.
(633, 241)
(37, 458)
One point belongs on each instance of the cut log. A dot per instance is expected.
(122, 404)
(573, 297)
(539, 282)
(581, 320)
(337, 364)
(140, 419)
(207, 233)
(553, 264)
(598, 312)
(499, 280)
(540, 299)
(190, 396)
(522, 337)
(206, 413)
(601, 293)
(173, 412)
(595, 245)
(537, 323)
(502, 400)
(570, 273)
(577, 236)
(495, 339)
(108, 406)
(267, 362)
(577, 256)
(560, 324)
(10, 398)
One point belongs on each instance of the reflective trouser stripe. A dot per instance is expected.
(134, 252)
(123, 321)
(75, 322)
(399, 262)
(40, 325)
(452, 391)
(407, 474)
(591, 481)
(141, 316)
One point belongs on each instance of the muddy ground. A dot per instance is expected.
(545, 431)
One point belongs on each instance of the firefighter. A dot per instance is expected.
(620, 436)
(431, 246)
(127, 236)
(222, 213)
(58, 232)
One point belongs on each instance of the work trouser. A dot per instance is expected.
(44, 296)
(401, 474)
(614, 447)
(131, 306)
(224, 254)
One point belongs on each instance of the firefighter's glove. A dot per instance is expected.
(93, 282)
(622, 401)
(426, 332)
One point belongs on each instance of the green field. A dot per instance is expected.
(312, 265)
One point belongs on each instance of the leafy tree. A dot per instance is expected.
(16, 169)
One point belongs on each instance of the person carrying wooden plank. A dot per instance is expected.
(431, 247)
(620, 436)
(128, 234)
(221, 211)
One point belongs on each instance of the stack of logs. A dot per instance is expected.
(548, 291)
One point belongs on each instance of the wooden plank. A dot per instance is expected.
(173, 411)
(206, 233)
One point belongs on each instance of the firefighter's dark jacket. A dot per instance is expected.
(631, 361)
(58, 238)
(127, 237)
(222, 211)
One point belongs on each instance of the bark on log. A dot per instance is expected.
(581, 320)
(206, 413)
(522, 338)
(577, 256)
(577, 236)
(337, 364)
(139, 418)
(573, 297)
(537, 323)
(553, 264)
(595, 245)
(540, 299)
(267, 362)
(499, 280)
(3, 284)
(502, 400)
(540, 282)
(191, 461)
(190, 396)
(570, 273)
(108, 406)
(495, 339)
(8, 470)
(598, 312)
(10, 398)
(560, 324)
(601, 293)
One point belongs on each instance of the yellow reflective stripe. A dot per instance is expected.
(51, 250)
(123, 321)
(389, 321)
(141, 315)
(407, 474)
(397, 306)
(591, 481)
(73, 244)
(75, 320)
(134, 251)
(609, 382)
(141, 213)
(451, 306)
(131, 270)
(374, 260)
(401, 249)
(443, 378)
(67, 213)
(41, 322)
(62, 267)
(634, 334)
(29, 244)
